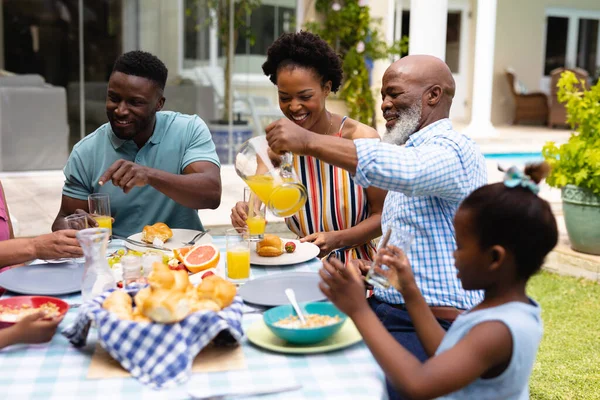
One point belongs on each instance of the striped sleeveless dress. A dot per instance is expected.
(334, 203)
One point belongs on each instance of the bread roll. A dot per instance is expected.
(270, 246)
(119, 302)
(218, 290)
(166, 306)
(161, 277)
(157, 231)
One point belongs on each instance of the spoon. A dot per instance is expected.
(291, 295)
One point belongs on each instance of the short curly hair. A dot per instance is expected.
(144, 64)
(307, 50)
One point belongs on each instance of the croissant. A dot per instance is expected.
(270, 246)
(157, 231)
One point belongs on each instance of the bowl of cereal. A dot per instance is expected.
(322, 321)
(14, 308)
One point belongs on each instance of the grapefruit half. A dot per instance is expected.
(201, 257)
(180, 253)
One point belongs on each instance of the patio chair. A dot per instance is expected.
(260, 109)
(558, 113)
(528, 106)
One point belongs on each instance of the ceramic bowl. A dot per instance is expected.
(304, 335)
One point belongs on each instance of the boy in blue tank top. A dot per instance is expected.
(503, 233)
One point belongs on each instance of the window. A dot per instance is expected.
(267, 23)
(572, 40)
(556, 43)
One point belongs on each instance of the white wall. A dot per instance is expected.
(1, 36)
(160, 31)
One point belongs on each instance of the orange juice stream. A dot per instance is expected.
(238, 263)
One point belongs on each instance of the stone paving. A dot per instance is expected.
(34, 197)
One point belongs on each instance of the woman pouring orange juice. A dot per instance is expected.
(338, 216)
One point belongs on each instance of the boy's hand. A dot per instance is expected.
(35, 329)
(344, 286)
(400, 273)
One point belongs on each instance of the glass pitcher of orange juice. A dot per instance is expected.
(271, 177)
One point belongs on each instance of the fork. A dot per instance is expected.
(196, 238)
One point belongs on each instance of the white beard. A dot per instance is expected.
(406, 124)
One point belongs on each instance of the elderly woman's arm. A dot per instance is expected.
(58, 244)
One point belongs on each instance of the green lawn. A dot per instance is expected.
(568, 362)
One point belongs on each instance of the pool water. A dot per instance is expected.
(518, 159)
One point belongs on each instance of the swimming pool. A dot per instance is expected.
(509, 159)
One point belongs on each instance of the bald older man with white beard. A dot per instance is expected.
(427, 169)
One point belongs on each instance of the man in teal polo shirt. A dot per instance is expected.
(157, 166)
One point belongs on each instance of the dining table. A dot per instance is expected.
(58, 370)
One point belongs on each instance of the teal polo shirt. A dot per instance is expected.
(177, 141)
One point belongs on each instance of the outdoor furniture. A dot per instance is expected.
(529, 107)
(59, 370)
(34, 132)
(187, 98)
(558, 113)
(260, 109)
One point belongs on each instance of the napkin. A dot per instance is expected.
(159, 355)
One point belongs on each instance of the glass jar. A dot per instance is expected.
(97, 276)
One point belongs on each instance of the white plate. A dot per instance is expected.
(179, 237)
(304, 252)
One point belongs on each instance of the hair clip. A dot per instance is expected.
(515, 177)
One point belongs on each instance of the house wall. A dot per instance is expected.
(1, 37)
(160, 32)
(520, 38)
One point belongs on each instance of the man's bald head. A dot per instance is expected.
(417, 90)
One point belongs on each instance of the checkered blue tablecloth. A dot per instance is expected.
(58, 370)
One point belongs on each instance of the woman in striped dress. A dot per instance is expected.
(339, 216)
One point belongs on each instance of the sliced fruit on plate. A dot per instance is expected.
(201, 257)
(180, 253)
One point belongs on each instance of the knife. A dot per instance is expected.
(250, 392)
(140, 244)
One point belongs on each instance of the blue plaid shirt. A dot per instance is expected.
(426, 179)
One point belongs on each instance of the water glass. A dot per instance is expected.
(238, 254)
(256, 220)
(99, 208)
(396, 236)
(77, 221)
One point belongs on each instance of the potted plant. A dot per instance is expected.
(227, 142)
(348, 27)
(576, 164)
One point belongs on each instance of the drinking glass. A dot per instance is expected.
(256, 221)
(396, 236)
(77, 221)
(99, 208)
(238, 254)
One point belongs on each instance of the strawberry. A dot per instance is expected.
(178, 267)
(290, 247)
(206, 274)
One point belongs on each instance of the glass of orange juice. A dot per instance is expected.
(256, 221)
(238, 254)
(99, 209)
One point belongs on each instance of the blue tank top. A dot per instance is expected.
(525, 325)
